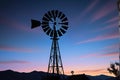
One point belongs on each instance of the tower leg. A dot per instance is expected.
(55, 62)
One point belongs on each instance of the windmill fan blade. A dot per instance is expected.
(45, 19)
(45, 29)
(48, 31)
(64, 23)
(44, 23)
(62, 16)
(65, 19)
(59, 33)
(63, 31)
(60, 13)
(44, 26)
(47, 16)
(35, 23)
(53, 14)
(49, 13)
(51, 34)
(65, 27)
(56, 13)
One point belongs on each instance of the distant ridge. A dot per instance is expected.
(101, 77)
(39, 75)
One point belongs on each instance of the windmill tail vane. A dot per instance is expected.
(35, 23)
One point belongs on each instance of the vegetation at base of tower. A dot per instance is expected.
(114, 69)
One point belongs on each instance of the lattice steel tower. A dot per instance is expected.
(54, 23)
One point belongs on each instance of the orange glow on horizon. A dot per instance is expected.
(90, 72)
(68, 72)
(87, 69)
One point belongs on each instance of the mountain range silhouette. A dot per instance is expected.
(39, 75)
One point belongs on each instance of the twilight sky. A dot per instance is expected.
(89, 46)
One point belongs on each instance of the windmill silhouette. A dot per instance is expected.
(54, 24)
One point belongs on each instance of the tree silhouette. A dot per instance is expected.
(72, 72)
(114, 69)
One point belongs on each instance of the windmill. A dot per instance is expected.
(54, 24)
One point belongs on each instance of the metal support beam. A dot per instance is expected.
(55, 62)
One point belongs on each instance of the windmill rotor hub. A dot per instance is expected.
(55, 23)
(54, 18)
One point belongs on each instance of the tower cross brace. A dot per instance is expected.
(55, 63)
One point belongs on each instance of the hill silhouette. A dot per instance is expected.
(39, 75)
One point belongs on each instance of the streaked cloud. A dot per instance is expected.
(111, 51)
(113, 46)
(95, 70)
(100, 38)
(90, 55)
(17, 25)
(79, 18)
(114, 19)
(17, 49)
(89, 8)
(103, 11)
(14, 62)
(114, 25)
(110, 54)
(12, 23)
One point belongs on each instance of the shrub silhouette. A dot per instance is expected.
(72, 72)
(114, 69)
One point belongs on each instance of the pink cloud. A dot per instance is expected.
(12, 23)
(114, 25)
(115, 59)
(105, 10)
(112, 20)
(16, 25)
(90, 55)
(99, 55)
(113, 51)
(16, 49)
(101, 38)
(114, 46)
(110, 26)
(95, 70)
(14, 62)
(110, 54)
(89, 8)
